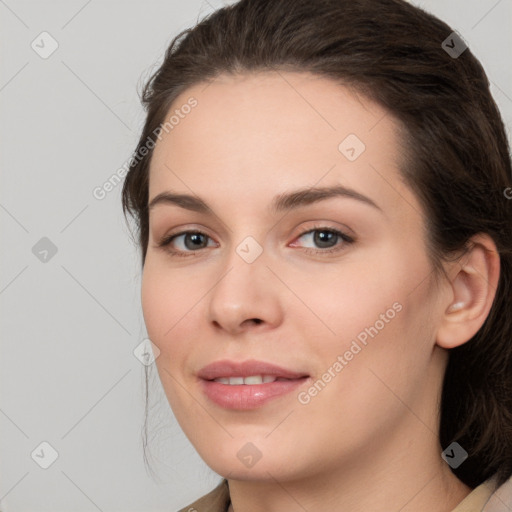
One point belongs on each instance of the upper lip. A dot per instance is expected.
(248, 368)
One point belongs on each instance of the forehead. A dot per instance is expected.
(265, 131)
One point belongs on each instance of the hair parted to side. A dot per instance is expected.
(456, 158)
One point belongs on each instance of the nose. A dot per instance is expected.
(246, 297)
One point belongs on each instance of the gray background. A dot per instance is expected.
(70, 323)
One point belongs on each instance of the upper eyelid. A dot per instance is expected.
(182, 231)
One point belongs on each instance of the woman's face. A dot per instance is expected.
(284, 162)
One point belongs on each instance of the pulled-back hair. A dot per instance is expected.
(455, 157)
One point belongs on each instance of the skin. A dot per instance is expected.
(369, 440)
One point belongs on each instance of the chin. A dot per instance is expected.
(243, 460)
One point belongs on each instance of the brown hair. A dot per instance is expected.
(456, 158)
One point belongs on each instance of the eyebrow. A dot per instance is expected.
(282, 202)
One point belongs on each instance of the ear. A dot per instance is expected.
(473, 281)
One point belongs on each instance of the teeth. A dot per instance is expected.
(253, 379)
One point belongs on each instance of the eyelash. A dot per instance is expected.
(166, 241)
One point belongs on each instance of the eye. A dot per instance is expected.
(185, 242)
(326, 239)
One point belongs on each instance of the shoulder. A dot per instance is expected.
(487, 497)
(501, 497)
(215, 501)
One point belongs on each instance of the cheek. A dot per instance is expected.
(375, 308)
(153, 299)
(163, 302)
(171, 301)
(163, 306)
(351, 296)
(382, 358)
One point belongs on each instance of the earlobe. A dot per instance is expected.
(473, 288)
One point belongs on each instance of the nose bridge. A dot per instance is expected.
(245, 290)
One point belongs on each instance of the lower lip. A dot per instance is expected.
(244, 397)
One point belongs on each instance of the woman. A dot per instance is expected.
(320, 196)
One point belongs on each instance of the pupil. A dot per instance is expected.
(323, 237)
(195, 238)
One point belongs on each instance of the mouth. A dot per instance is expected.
(249, 384)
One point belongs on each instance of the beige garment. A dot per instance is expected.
(477, 498)
(218, 499)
